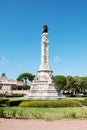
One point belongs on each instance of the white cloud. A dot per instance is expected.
(3, 61)
(57, 59)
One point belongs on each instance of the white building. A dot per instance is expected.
(5, 84)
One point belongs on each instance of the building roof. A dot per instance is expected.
(5, 80)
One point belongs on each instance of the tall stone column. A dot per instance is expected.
(43, 86)
(44, 52)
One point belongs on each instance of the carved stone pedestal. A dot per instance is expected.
(44, 87)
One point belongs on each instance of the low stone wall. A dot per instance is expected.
(20, 91)
(14, 92)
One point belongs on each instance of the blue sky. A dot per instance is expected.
(20, 36)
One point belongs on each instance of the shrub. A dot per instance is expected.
(2, 114)
(3, 101)
(71, 115)
(23, 87)
(2, 95)
(12, 95)
(13, 103)
(50, 103)
(84, 102)
(24, 104)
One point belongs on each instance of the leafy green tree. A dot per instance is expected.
(25, 76)
(61, 81)
(78, 83)
(70, 84)
(84, 84)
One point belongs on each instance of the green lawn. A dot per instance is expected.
(43, 113)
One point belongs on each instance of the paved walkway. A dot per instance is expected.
(14, 124)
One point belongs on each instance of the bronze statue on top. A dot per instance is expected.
(45, 28)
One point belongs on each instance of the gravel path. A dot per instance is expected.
(14, 124)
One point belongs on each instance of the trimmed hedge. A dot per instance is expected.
(84, 102)
(12, 95)
(3, 101)
(13, 103)
(43, 103)
(23, 87)
(50, 103)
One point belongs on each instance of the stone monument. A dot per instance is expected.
(43, 86)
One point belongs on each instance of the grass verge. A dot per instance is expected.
(43, 113)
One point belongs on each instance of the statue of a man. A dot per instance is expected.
(45, 28)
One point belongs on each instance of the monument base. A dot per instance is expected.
(44, 87)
